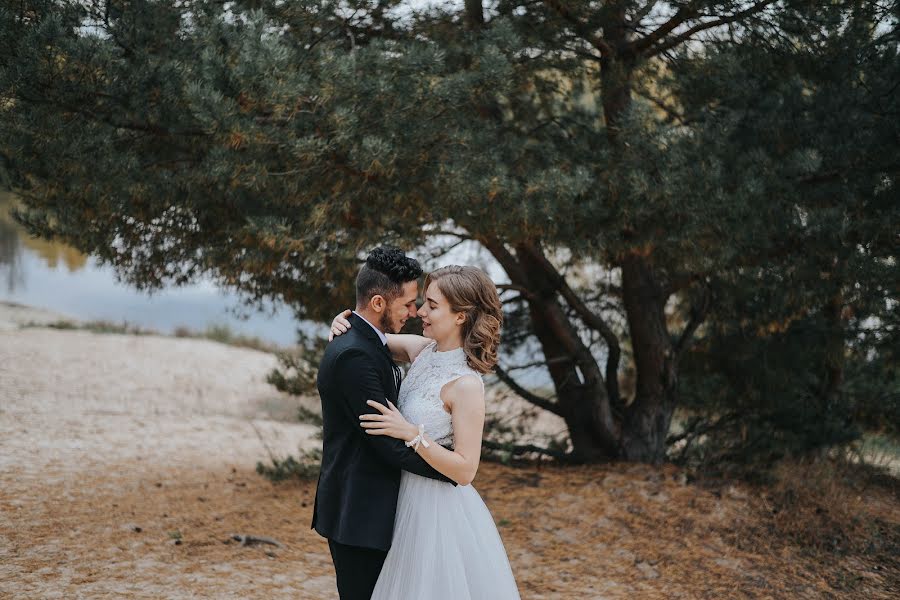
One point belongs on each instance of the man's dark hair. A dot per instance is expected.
(387, 268)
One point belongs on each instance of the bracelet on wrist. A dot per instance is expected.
(419, 439)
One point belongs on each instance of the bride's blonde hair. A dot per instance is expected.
(469, 290)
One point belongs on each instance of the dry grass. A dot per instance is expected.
(842, 516)
(113, 449)
(613, 531)
(634, 531)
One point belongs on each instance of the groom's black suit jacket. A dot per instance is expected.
(356, 497)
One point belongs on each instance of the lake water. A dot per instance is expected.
(57, 277)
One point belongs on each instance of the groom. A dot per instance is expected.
(359, 481)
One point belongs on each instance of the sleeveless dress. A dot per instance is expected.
(445, 543)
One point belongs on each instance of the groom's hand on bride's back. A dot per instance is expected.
(340, 324)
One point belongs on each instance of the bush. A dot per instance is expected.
(296, 374)
(749, 401)
(305, 467)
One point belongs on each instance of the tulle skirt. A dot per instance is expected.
(445, 547)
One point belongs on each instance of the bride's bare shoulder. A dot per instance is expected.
(467, 390)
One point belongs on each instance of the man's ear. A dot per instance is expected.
(378, 303)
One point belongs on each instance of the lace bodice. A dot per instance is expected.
(420, 394)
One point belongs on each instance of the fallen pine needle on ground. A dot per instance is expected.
(127, 471)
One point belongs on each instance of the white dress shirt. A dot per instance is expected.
(380, 333)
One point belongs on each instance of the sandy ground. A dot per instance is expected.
(127, 463)
(74, 401)
(88, 417)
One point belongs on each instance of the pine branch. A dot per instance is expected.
(506, 258)
(671, 112)
(523, 292)
(643, 12)
(681, 38)
(580, 27)
(517, 450)
(698, 426)
(596, 322)
(456, 234)
(698, 315)
(151, 128)
(525, 394)
(314, 43)
(444, 250)
(591, 319)
(641, 44)
(538, 363)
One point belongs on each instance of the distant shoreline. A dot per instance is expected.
(14, 315)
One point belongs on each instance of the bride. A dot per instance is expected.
(445, 543)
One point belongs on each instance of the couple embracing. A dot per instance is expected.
(393, 496)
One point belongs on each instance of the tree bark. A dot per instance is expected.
(577, 378)
(474, 14)
(648, 417)
(579, 382)
(834, 347)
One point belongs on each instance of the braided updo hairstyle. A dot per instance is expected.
(469, 290)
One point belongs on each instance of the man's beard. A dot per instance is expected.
(387, 325)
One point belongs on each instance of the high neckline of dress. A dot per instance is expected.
(448, 356)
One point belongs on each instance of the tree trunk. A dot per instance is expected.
(579, 382)
(648, 417)
(834, 348)
(583, 399)
(474, 12)
(577, 379)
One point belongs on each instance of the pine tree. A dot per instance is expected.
(271, 144)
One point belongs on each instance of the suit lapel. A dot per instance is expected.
(395, 370)
(398, 376)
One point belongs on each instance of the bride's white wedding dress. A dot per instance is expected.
(445, 544)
